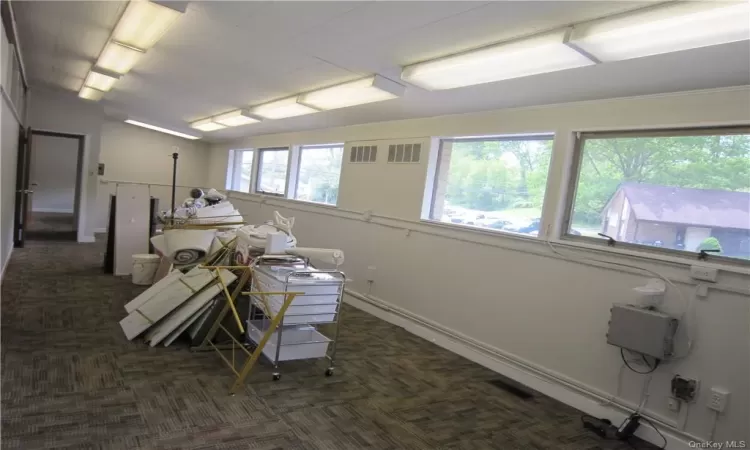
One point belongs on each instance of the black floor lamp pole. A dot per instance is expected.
(175, 155)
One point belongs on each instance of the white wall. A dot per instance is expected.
(54, 169)
(64, 112)
(7, 181)
(130, 154)
(138, 155)
(8, 153)
(512, 296)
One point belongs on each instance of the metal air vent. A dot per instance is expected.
(404, 153)
(363, 154)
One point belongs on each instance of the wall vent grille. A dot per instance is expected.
(363, 154)
(404, 153)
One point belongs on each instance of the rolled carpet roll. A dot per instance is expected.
(188, 246)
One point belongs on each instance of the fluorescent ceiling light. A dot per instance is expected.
(143, 23)
(206, 125)
(235, 118)
(530, 56)
(160, 129)
(101, 79)
(288, 107)
(118, 58)
(90, 93)
(662, 29)
(368, 90)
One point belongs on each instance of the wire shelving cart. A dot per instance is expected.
(297, 336)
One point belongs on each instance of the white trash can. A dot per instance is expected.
(144, 268)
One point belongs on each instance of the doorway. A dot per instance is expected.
(55, 163)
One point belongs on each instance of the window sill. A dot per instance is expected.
(573, 243)
(310, 202)
(258, 196)
(481, 230)
(725, 264)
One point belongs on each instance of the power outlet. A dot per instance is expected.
(673, 404)
(371, 271)
(703, 273)
(718, 400)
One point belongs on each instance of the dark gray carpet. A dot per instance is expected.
(70, 380)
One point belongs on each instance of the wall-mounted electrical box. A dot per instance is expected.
(641, 330)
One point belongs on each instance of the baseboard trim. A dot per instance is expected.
(53, 210)
(553, 385)
(100, 230)
(5, 265)
(86, 239)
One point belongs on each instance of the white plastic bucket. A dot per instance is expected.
(144, 268)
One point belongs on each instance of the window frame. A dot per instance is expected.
(574, 170)
(234, 169)
(255, 186)
(298, 166)
(549, 136)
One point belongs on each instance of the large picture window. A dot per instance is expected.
(240, 171)
(272, 168)
(495, 182)
(684, 190)
(319, 173)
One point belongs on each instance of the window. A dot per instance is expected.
(240, 170)
(684, 190)
(494, 182)
(319, 172)
(272, 168)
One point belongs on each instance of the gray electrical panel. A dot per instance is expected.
(642, 330)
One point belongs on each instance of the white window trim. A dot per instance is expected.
(256, 170)
(234, 169)
(296, 160)
(433, 168)
(568, 184)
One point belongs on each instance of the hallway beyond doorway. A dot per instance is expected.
(48, 226)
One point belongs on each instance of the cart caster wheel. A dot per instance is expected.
(276, 377)
(329, 372)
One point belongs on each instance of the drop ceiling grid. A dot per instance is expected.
(63, 39)
(479, 24)
(222, 55)
(241, 71)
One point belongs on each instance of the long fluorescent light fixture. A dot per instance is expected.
(368, 90)
(662, 29)
(235, 118)
(162, 130)
(143, 23)
(206, 125)
(530, 56)
(90, 94)
(280, 109)
(119, 58)
(101, 79)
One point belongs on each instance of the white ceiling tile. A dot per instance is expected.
(375, 21)
(314, 76)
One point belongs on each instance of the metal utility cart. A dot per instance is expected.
(297, 336)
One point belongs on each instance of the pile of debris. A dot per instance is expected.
(205, 247)
(206, 251)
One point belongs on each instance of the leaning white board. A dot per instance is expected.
(151, 292)
(131, 225)
(185, 311)
(181, 329)
(161, 304)
(198, 324)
